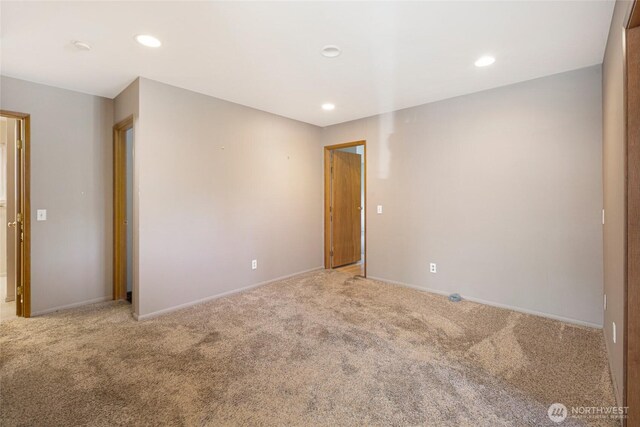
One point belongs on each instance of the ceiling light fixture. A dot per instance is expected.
(147, 40)
(328, 106)
(331, 51)
(81, 45)
(484, 61)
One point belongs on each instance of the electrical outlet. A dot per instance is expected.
(379, 209)
(254, 264)
(614, 332)
(433, 268)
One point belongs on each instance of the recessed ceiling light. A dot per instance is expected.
(331, 51)
(484, 61)
(147, 40)
(328, 106)
(81, 45)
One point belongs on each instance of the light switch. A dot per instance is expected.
(42, 215)
(379, 209)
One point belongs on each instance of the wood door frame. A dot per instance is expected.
(120, 208)
(26, 209)
(631, 351)
(327, 200)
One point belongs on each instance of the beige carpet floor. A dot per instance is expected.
(318, 349)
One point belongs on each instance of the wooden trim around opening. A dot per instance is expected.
(634, 18)
(632, 291)
(120, 208)
(26, 196)
(327, 200)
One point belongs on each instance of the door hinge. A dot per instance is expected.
(19, 289)
(19, 144)
(331, 252)
(18, 217)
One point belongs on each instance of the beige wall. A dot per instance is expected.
(614, 197)
(207, 212)
(502, 189)
(71, 160)
(127, 103)
(219, 185)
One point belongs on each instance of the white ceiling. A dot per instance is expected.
(267, 54)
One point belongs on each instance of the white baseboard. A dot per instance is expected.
(493, 304)
(213, 297)
(74, 305)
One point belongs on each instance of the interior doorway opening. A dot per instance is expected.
(123, 148)
(345, 207)
(15, 264)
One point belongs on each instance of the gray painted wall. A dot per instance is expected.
(502, 189)
(209, 211)
(71, 157)
(221, 184)
(614, 190)
(127, 103)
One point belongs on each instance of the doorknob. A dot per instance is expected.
(359, 208)
(11, 224)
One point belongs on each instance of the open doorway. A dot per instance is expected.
(345, 207)
(123, 140)
(15, 289)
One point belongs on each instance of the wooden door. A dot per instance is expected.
(346, 228)
(19, 219)
(120, 222)
(19, 210)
